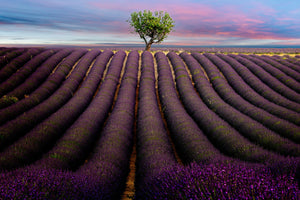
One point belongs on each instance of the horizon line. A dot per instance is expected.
(131, 45)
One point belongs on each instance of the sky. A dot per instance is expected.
(197, 22)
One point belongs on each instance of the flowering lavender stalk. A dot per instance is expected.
(224, 181)
(33, 183)
(260, 87)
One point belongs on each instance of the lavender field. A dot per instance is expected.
(80, 123)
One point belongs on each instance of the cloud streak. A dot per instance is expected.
(213, 22)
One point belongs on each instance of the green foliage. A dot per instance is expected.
(152, 27)
(10, 98)
(7, 100)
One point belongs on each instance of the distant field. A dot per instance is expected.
(120, 123)
(226, 50)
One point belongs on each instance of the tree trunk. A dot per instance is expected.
(148, 46)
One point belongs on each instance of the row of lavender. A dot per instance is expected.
(10, 66)
(250, 121)
(222, 177)
(109, 163)
(107, 168)
(40, 84)
(225, 178)
(210, 136)
(154, 150)
(19, 126)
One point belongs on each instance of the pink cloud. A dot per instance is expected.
(193, 43)
(232, 23)
(203, 20)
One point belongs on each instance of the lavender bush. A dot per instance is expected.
(291, 63)
(43, 91)
(249, 94)
(42, 72)
(79, 127)
(268, 79)
(8, 55)
(287, 69)
(154, 150)
(70, 151)
(282, 127)
(41, 137)
(231, 141)
(14, 129)
(277, 73)
(258, 85)
(223, 181)
(26, 70)
(18, 62)
(110, 159)
(190, 141)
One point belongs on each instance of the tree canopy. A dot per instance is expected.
(152, 27)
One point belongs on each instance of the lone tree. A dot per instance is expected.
(151, 28)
